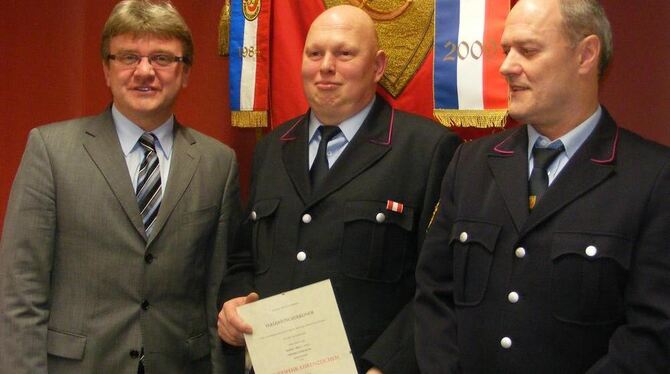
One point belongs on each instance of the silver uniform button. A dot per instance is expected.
(253, 215)
(380, 217)
(463, 237)
(306, 218)
(506, 343)
(520, 252)
(301, 256)
(591, 251)
(513, 297)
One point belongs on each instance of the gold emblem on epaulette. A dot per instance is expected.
(251, 9)
(432, 217)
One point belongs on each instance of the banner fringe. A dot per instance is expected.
(224, 29)
(482, 119)
(249, 119)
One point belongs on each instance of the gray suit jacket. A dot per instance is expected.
(81, 289)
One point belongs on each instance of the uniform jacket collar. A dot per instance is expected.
(593, 163)
(371, 142)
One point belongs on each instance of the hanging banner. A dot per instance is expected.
(469, 48)
(249, 51)
(468, 89)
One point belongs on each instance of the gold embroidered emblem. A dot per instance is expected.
(405, 29)
(251, 9)
(432, 217)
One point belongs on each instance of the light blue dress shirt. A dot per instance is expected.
(129, 133)
(572, 141)
(336, 146)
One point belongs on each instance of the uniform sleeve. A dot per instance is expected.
(238, 279)
(435, 323)
(394, 350)
(229, 217)
(642, 343)
(26, 258)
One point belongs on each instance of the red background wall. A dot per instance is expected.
(50, 70)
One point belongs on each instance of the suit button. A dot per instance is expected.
(149, 258)
(306, 218)
(591, 251)
(145, 305)
(380, 217)
(520, 252)
(463, 237)
(134, 354)
(301, 256)
(506, 343)
(513, 297)
(253, 215)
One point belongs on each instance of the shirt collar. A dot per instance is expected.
(571, 141)
(349, 126)
(129, 133)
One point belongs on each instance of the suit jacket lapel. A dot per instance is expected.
(590, 166)
(370, 143)
(183, 165)
(508, 161)
(294, 155)
(102, 145)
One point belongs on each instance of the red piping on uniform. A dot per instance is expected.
(390, 137)
(613, 151)
(285, 137)
(504, 152)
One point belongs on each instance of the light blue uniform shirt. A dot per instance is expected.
(129, 133)
(336, 145)
(572, 141)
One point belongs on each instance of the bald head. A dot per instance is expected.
(341, 64)
(347, 17)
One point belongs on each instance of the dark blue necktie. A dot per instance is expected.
(539, 180)
(320, 167)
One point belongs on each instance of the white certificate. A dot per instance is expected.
(299, 331)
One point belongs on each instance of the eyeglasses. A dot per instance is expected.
(158, 60)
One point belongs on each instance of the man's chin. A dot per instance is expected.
(518, 114)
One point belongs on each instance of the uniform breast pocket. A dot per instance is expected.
(589, 273)
(375, 241)
(263, 231)
(472, 244)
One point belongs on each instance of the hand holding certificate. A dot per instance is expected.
(299, 331)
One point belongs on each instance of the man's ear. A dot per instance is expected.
(589, 54)
(105, 71)
(380, 64)
(185, 74)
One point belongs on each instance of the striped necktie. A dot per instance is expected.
(149, 191)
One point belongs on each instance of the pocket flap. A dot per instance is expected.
(592, 246)
(263, 208)
(375, 211)
(482, 233)
(66, 345)
(198, 346)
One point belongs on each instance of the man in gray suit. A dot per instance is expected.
(117, 227)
